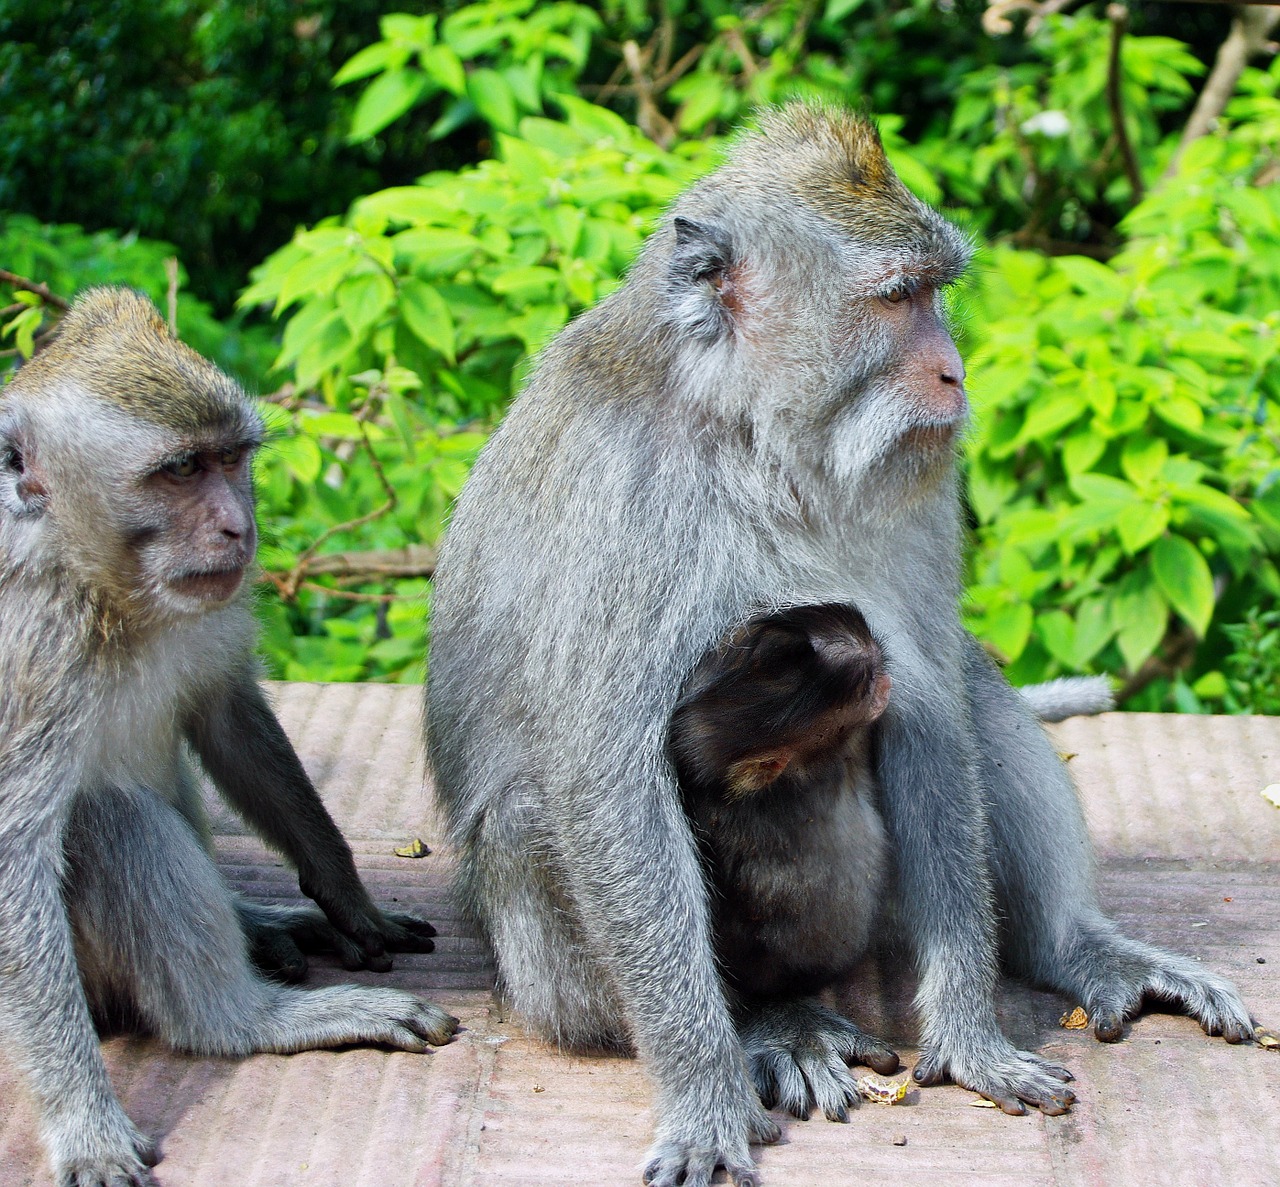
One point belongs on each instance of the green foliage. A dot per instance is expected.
(208, 123)
(491, 62)
(414, 316)
(68, 260)
(1123, 473)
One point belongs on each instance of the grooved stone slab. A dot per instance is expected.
(1189, 857)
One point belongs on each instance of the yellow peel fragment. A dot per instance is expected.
(880, 1091)
(416, 848)
(1075, 1019)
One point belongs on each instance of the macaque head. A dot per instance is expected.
(125, 464)
(786, 691)
(808, 281)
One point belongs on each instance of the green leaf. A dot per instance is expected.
(1140, 617)
(1047, 417)
(1081, 451)
(1185, 580)
(1092, 278)
(1008, 628)
(493, 99)
(1140, 524)
(445, 67)
(837, 10)
(363, 299)
(1142, 459)
(369, 61)
(427, 316)
(1058, 633)
(387, 98)
(1093, 631)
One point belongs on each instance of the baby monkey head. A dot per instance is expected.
(781, 695)
(125, 465)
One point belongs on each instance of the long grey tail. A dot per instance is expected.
(1069, 696)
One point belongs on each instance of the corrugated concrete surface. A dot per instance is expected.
(1189, 858)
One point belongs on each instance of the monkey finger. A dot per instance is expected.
(929, 1072)
(1056, 1070)
(882, 1059)
(1008, 1104)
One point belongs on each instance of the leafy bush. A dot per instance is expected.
(1123, 473)
(68, 260)
(411, 319)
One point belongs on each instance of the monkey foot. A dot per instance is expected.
(688, 1157)
(1123, 974)
(1010, 1078)
(799, 1053)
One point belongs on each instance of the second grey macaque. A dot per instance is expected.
(126, 647)
(772, 744)
(767, 413)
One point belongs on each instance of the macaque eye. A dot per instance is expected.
(11, 459)
(898, 295)
(182, 467)
(231, 457)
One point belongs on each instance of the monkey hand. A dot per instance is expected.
(1010, 1078)
(799, 1052)
(100, 1151)
(363, 935)
(708, 1127)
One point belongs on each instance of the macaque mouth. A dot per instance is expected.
(209, 585)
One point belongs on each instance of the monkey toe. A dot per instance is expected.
(1108, 1027)
(408, 933)
(882, 1060)
(929, 1072)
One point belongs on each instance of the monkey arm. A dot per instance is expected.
(44, 1017)
(247, 754)
(936, 817)
(635, 877)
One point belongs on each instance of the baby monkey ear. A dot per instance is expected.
(702, 279)
(757, 772)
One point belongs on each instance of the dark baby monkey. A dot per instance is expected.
(773, 747)
(772, 744)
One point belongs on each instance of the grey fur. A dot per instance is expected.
(654, 486)
(1069, 696)
(122, 643)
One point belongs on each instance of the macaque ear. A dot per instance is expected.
(22, 488)
(703, 284)
(753, 774)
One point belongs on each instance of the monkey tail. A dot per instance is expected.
(1069, 696)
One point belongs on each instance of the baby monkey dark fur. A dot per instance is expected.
(772, 742)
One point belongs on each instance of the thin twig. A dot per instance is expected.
(295, 578)
(41, 290)
(1118, 15)
(171, 295)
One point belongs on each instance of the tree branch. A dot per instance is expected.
(41, 290)
(1247, 39)
(1118, 15)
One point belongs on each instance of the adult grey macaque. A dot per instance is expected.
(765, 414)
(126, 529)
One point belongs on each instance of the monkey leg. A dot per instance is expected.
(46, 1026)
(934, 807)
(546, 968)
(1055, 932)
(157, 928)
(799, 1052)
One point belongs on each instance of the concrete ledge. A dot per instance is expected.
(1190, 858)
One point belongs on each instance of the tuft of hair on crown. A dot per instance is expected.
(833, 161)
(114, 346)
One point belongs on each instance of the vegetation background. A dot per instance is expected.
(375, 218)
